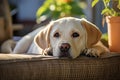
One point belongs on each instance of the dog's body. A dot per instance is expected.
(66, 37)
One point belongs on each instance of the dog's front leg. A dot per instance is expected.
(96, 50)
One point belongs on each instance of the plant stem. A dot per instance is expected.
(105, 4)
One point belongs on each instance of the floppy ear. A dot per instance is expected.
(42, 39)
(93, 33)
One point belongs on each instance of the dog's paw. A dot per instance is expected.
(92, 52)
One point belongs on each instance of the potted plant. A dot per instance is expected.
(55, 9)
(112, 18)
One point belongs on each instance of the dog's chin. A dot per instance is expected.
(60, 54)
(64, 54)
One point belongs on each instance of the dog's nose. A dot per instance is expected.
(64, 47)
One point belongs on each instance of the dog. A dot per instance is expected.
(65, 37)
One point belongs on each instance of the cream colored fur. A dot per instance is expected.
(41, 41)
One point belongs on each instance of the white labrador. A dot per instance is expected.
(65, 37)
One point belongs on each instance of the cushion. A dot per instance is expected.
(37, 67)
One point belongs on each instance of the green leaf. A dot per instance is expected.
(94, 2)
(105, 36)
(44, 8)
(118, 6)
(56, 9)
(106, 1)
(106, 11)
(75, 9)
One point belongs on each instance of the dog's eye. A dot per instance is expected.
(57, 35)
(75, 34)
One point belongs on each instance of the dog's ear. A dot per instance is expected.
(93, 33)
(42, 39)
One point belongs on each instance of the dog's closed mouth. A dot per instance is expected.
(64, 54)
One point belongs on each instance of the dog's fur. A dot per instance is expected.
(65, 37)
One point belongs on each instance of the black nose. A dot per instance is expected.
(64, 47)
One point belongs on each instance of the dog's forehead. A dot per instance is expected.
(67, 23)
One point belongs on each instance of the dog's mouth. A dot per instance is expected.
(61, 53)
(64, 54)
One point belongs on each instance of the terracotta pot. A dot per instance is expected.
(113, 24)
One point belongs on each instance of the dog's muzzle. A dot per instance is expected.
(64, 50)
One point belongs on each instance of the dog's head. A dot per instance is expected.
(68, 37)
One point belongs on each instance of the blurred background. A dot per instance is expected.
(27, 15)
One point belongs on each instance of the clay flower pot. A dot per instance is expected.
(113, 24)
